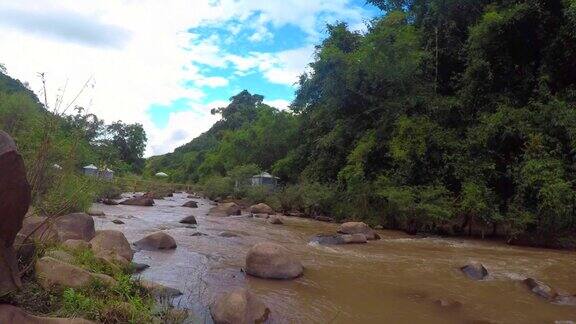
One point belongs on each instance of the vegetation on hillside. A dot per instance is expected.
(50, 135)
(444, 117)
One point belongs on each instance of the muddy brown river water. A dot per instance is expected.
(393, 280)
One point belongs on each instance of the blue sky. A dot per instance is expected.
(240, 38)
(166, 64)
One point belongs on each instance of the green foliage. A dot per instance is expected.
(443, 115)
(125, 302)
(67, 194)
(218, 187)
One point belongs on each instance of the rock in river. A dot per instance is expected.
(541, 289)
(156, 241)
(109, 202)
(190, 204)
(239, 307)
(358, 228)
(275, 221)
(138, 267)
(328, 239)
(159, 291)
(110, 240)
(226, 209)
(475, 271)
(355, 238)
(261, 208)
(188, 220)
(272, 261)
(138, 201)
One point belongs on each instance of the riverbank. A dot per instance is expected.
(396, 279)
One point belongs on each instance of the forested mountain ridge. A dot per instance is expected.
(445, 116)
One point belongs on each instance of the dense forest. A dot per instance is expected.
(445, 116)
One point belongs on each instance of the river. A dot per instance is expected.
(394, 280)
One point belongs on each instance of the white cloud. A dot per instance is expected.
(140, 53)
(212, 82)
(278, 103)
(181, 128)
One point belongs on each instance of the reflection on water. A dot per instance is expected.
(395, 280)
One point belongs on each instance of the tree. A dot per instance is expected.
(130, 140)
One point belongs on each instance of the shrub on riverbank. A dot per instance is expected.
(125, 302)
(68, 193)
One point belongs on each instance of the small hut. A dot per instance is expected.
(107, 174)
(161, 175)
(90, 170)
(264, 179)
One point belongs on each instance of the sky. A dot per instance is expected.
(166, 64)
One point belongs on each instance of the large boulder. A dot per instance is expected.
(226, 209)
(272, 261)
(475, 271)
(261, 208)
(38, 229)
(77, 226)
(14, 203)
(354, 238)
(107, 241)
(138, 201)
(76, 244)
(190, 204)
(60, 256)
(16, 315)
(358, 228)
(189, 220)
(238, 307)
(156, 241)
(51, 272)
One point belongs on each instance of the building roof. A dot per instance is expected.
(91, 166)
(264, 175)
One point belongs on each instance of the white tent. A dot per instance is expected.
(90, 170)
(161, 175)
(264, 179)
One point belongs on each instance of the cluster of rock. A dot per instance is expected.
(264, 260)
(477, 271)
(226, 209)
(347, 233)
(73, 232)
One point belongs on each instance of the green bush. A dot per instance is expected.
(216, 186)
(68, 193)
